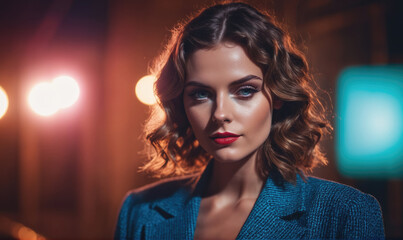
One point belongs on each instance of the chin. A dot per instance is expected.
(230, 157)
(226, 160)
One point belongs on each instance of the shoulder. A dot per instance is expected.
(355, 213)
(159, 190)
(338, 194)
(138, 204)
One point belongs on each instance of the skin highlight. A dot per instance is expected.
(224, 93)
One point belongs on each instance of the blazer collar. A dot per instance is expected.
(174, 205)
(271, 215)
(278, 212)
(179, 211)
(282, 197)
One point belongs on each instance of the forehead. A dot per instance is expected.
(224, 61)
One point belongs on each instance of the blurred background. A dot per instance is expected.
(65, 170)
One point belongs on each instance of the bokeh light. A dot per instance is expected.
(16, 230)
(67, 91)
(26, 233)
(3, 102)
(369, 134)
(145, 90)
(42, 99)
(47, 98)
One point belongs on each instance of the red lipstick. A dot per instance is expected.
(224, 138)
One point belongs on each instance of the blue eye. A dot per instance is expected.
(246, 92)
(199, 94)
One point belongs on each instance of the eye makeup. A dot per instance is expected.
(246, 92)
(243, 89)
(199, 94)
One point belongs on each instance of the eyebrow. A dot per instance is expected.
(236, 82)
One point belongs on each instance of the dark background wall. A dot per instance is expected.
(65, 176)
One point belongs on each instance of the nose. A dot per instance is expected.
(222, 112)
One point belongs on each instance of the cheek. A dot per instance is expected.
(257, 118)
(198, 117)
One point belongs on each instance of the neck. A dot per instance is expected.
(235, 181)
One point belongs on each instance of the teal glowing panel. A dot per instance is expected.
(369, 122)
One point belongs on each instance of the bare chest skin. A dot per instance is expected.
(224, 222)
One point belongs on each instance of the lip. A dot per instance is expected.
(224, 138)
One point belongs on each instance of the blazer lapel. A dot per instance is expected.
(278, 213)
(179, 212)
(181, 226)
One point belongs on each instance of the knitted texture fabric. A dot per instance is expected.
(311, 209)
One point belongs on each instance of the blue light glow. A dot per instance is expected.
(369, 122)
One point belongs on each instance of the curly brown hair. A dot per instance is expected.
(292, 146)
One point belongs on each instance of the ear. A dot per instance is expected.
(277, 104)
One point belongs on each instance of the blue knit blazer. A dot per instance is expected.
(311, 209)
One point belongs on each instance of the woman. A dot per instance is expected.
(237, 98)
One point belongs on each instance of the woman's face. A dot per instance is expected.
(224, 101)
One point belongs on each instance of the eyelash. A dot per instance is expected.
(251, 91)
(193, 94)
